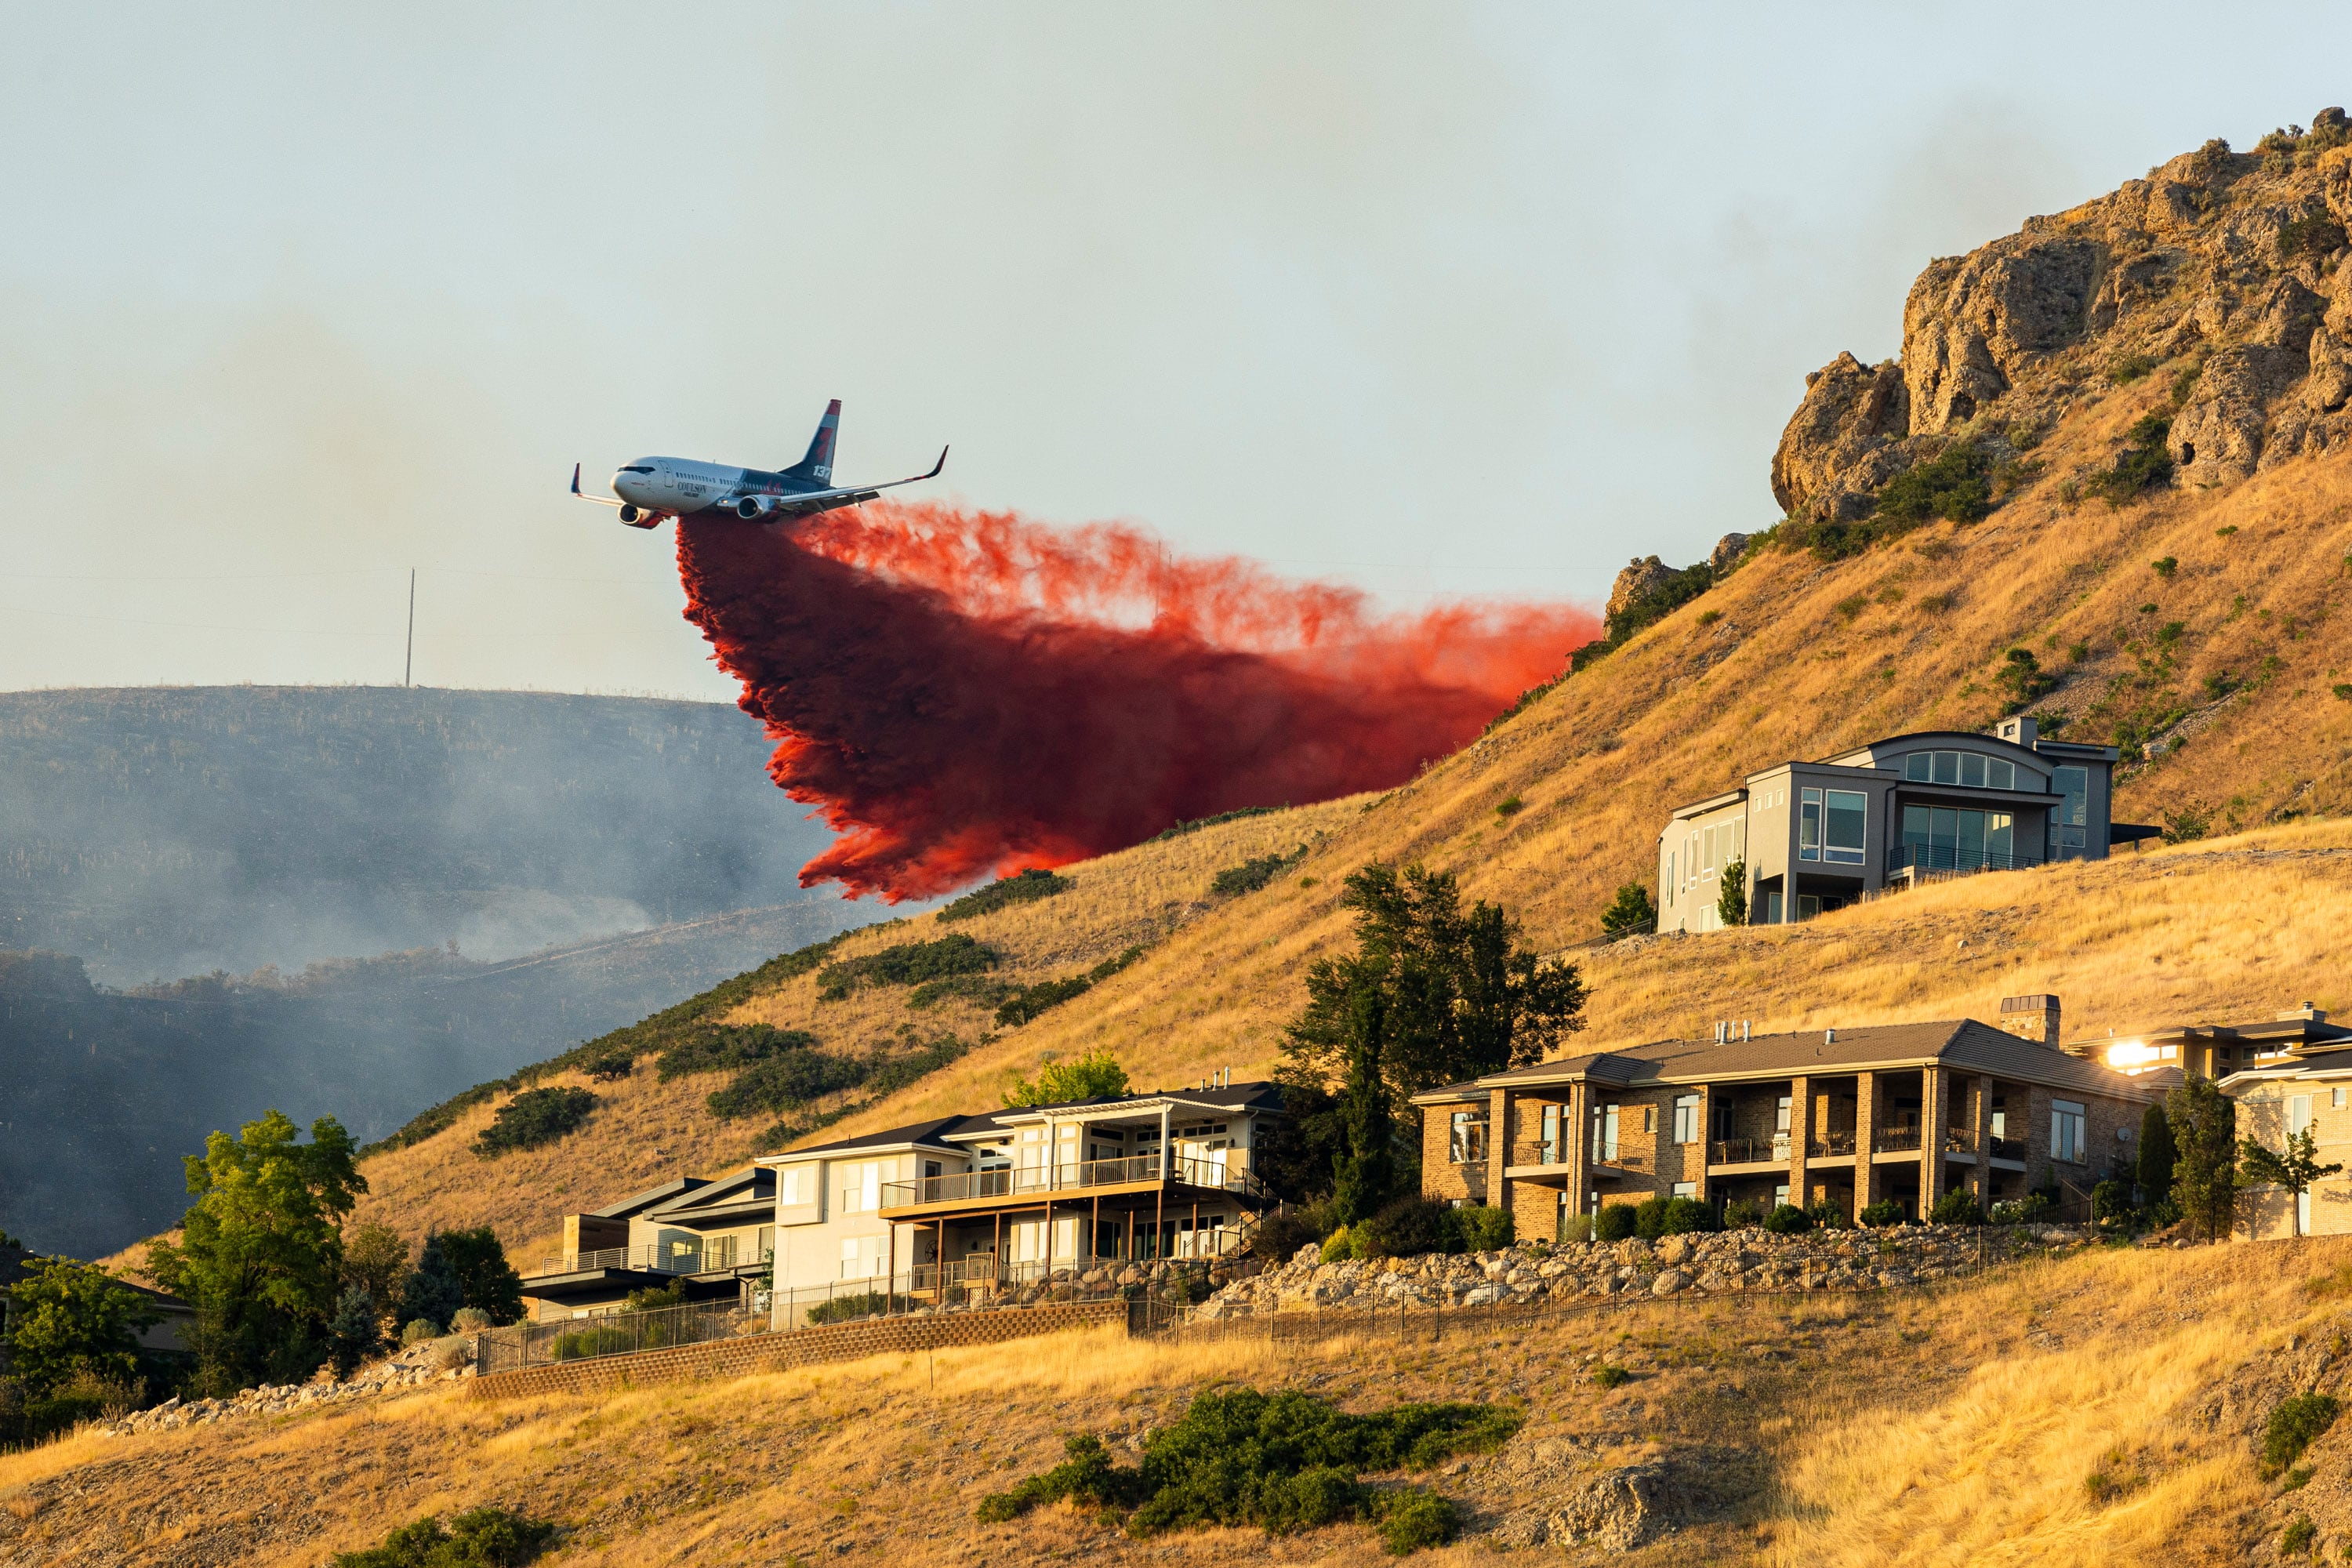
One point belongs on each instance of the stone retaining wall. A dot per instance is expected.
(797, 1347)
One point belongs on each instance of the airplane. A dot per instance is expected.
(651, 490)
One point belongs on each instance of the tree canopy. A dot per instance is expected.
(260, 1254)
(67, 1319)
(1095, 1073)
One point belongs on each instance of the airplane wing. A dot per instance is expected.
(600, 501)
(809, 502)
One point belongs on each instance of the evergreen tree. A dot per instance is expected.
(487, 1280)
(1731, 901)
(2204, 1124)
(2155, 1154)
(432, 1292)
(2295, 1168)
(260, 1252)
(375, 1259)
(1365, 1177)
(356, 1330)
(1630, 912)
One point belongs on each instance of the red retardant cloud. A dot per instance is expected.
(965, 692)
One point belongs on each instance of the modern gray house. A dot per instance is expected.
(1815, 836)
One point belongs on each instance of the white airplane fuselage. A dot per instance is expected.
(653, 489)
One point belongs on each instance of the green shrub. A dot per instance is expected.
(1025, 1003)
(2026, 1210)
(533, 1117)
(1278, 1236)
(714, 1048)
(1616, 1222)
(1650, 1219)
(2142, 465)
(1788, 1220)
(581, 1344)
(1741, 1213)
(1885, 1211)
(1958, 1207)
(1630, 912)
(1608, 1377)
(783, 1082)
(1252, 874)
(2130, 368)
(1339, 1245)
(2295, 1539)
(841, 1308)
(907, 963)
(1413, 1519)
(1004, 893)
(1283, 1463)
(416, 1331)
(1953, 485)
(1198, 823)
(1685, 1216)
(1828, 1214)
(2294, 1427)
(485, 1538)
(1481, 1228)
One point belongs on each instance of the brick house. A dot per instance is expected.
(2297, 1074)
(1901, 1111)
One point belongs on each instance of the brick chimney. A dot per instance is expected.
(2032, 1018)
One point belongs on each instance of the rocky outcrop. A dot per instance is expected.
(1720, 1263)
(1728, 552)
(2225, 260)
(1638, 579)
(434, 1361)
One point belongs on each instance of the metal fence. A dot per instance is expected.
(1069, 1176)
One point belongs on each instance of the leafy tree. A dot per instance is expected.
(534, 1117)
(432, 1293)
(69, 1319)
(1365, 1177)
(484, 1538)
(2155, 1154)
(2205, 1165)
(484, 1276)
(1630, 912)
(1731, 903)
(2294, 1167)
(375, 1259)
(356, 1330)
(1095, 1073)
(260, 1252)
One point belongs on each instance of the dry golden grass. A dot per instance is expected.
(1924, 1428)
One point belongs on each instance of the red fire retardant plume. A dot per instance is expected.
(965, 692)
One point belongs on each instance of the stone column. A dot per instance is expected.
(1498, 1146)
(1866, 1134)
(1933, 1110)
(1696, 1170)
(1983, 1122)
(1801, 1133)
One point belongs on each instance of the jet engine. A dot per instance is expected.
(631, 513)
(751, 509)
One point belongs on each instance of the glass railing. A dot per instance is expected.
(1016, 1181)
(1954, 857)
(661, 1258)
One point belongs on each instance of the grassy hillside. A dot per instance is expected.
(2103, 1409)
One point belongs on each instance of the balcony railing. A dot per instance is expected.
(1948, 857)
(1542, 1152)
(1960, 1140)
(1748, 1151)
(1895, 1140)
(1623, 1161)
(1023, 1180)
(2008, 1148)
(1831, 1145)
(664, 1257)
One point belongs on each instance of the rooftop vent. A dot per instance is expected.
(2023, 730)
(2303, 1012)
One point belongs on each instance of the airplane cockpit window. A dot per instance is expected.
(636, 468)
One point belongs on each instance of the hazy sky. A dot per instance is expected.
(1438, 299)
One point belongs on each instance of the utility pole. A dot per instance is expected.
(408, 665)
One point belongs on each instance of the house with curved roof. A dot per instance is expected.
(1809, 838)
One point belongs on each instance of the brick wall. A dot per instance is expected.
(1441, 1178)
(799, 1347)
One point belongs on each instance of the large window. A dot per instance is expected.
(1604, 1133)
(2074, 811)
(1845, 833)
(2066, 1132)
(1686, 1118)
(1970, 770)
(1809, 825)
(1466, 1142)
(1942, 838)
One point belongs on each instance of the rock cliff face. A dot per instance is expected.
(2221, 271)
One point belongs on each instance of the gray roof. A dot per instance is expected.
(650, 1196)
(1256, 1095)
(1963, 1043)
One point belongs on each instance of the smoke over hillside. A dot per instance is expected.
(962, 692)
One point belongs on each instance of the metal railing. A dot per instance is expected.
(1748, 1151)
(1831, 1145)
(2008, 1148)
(1622, 1162)
(1960, 1140)
(1020, 1180)
(659, 1257)
(1541, 1151)
(1895, 1140)
(1929, 858)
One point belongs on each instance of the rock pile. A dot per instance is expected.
(435, 1361)
(1715, 1263)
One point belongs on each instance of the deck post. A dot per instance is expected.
(1983, 1122)
(890, 1267)
(1800, 1139)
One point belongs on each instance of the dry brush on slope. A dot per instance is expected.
(2103, 1408)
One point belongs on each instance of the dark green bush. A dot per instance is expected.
(1026, 1002)
(485, 1538)
(1632, 911)
(1278, 1236)
(1283, 1463)
(1606, 1376)
(1409, 1227)
(1252, 874)
(1741, 1213)
(2296, 1538)
(1616, 1222)
(713, 1047)
(1954, 485)
(2294, 1427)
(1481, 1228)
(2142, 465)
(1198, 823)
(1958, 1207)
(1828, 1214)
(1788, 1220)
(908, 964)
(1885, 1211)
(1654, 1218)
(583, 1343)
(1004, 893)
(1413, 1519)
(841, 1308)
(535, 1117)
(780, 1083)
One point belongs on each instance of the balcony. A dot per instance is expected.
(1013, 1182)
(1772, 1151)
(1837, 1144)
(1951, 859)
(1620, 1162)
(1895, 1140)
(1543, 1151)
(1960, 1140)
(2008, 1149)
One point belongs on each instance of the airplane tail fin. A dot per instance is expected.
(818, 464)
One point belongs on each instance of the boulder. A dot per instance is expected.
(2217, 435)
(1669, 1281)
(1974, 323)
(1728, 552)
(1637, 580)
(1836, 449)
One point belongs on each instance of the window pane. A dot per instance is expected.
(1915, 835)
(1808, 828)
(2000, 775)
(1847, 813)
(1972, 770)
(1948, 767)
(1998, 830)
(1707, 851)
(1972, 837)
(2075, 784)
(1916, 765)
